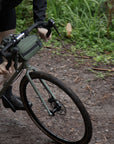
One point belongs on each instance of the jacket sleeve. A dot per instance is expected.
(39, 10)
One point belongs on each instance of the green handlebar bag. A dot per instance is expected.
(29, 46)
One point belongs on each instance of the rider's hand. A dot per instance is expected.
(42, 33)
(6, 73)
(3, 68)
(3, 72)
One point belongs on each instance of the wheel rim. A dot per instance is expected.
(57, 126)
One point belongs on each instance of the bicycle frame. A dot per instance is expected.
(28, 68)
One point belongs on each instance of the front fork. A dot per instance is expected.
(36, 90)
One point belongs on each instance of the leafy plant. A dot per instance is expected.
(89, 22)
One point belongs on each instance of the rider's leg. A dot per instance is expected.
(7, 26)
(16, 101)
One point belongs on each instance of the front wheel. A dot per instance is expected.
(56, 109)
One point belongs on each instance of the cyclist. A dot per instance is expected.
(7, 26)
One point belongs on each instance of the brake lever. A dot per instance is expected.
(50, 25)
(16, 58)
(16, 62)
(9, 64)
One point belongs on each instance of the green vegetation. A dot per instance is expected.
(92, 25)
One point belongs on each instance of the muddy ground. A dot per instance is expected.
(94, 89)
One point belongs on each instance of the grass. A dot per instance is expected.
(89, 22)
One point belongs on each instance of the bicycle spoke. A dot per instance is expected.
(69, 121)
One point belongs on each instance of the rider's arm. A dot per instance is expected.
(39, 9)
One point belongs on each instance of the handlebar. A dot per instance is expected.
(16, 38)
(4, 52)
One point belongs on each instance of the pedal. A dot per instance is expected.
(8, 103)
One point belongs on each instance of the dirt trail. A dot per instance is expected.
(97, 95)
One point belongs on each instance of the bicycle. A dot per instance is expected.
(56, 109)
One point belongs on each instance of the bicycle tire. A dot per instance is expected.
(87, 134)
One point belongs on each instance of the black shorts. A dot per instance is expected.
(7, 20)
